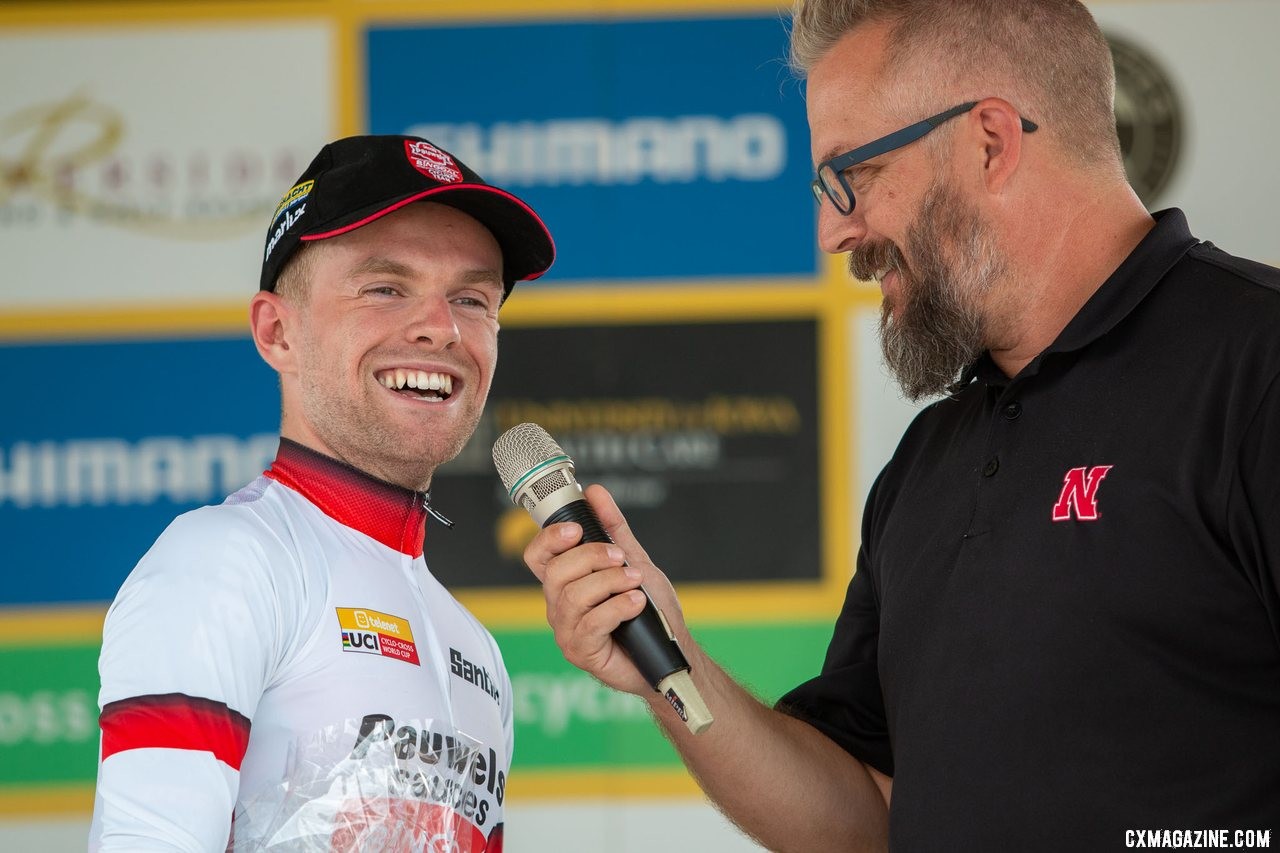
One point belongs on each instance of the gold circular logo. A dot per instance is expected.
(1148, 120)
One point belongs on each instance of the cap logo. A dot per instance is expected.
(290, 210)
(296, 194)
(291, 218)
(432, 162)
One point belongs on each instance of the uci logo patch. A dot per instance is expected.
(371, 632)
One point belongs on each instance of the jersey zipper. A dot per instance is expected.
(433, 512)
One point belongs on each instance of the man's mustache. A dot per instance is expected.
(870, 258)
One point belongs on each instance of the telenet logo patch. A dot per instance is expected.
(373, 633)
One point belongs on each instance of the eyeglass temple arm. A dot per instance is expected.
(1028, 126)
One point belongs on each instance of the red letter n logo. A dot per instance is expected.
(1080, 493)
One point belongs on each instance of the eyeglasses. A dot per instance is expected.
(831, 181)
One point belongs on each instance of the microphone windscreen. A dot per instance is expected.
(521, 450)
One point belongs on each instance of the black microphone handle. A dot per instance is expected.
(644, 638)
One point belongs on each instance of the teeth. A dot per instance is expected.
(419, 380)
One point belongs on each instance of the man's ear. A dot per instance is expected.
(1000, 133)
(273, 323)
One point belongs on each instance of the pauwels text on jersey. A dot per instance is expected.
(433, 749)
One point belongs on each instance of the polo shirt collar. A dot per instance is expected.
(391, 514)
(1122, 292)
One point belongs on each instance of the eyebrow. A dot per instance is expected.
(837, 150)
(833, 151)
(385, 266)
(482, 276)
(380, 266)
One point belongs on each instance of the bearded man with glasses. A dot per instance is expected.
(1064, 626)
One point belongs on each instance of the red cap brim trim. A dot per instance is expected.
(434, 191)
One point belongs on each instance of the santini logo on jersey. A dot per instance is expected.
(372, 633)
(473, 673)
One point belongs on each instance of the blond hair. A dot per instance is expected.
(1046, 57)
(293, 282)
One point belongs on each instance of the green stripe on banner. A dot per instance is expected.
(48, 713)
(565, 720)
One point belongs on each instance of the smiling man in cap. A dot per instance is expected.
(286, 658)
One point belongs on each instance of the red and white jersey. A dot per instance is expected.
(299, 606)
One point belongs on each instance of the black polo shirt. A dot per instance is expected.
(1065, 621)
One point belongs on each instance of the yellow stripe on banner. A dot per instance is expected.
(600, 785)
(839, 397)
(119, 321)
(74, 14)
(518, 11)
(351, 68)
(702, 603)
(73, 799)
(77, 15)
(42, 800)
(45, 625)
(674, 301)
(669, 302)
(835, 437)
(509, 608)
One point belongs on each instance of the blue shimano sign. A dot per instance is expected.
(109, 442)
(654, 149)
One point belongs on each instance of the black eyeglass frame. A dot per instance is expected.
(833, 170)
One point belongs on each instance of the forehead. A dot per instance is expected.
(422, 229)
(845, 93)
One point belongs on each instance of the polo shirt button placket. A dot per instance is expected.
(1013, 411)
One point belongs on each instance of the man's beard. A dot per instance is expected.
(940, 329)
(358, 433)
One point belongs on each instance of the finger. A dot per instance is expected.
(550, 542)
(615, 523)
(580, 562)
(578, 598)
(578, 566)
(605, 619)
(586, 641)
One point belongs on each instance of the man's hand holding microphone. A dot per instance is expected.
(604, 620)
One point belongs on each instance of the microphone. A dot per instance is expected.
(538, 475)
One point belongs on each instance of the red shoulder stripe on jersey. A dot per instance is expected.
(174, 721)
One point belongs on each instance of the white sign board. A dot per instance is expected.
(140, 166)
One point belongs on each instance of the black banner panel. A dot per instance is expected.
(705, 433)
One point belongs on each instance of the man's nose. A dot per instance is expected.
(837, 232)
(433, 322)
